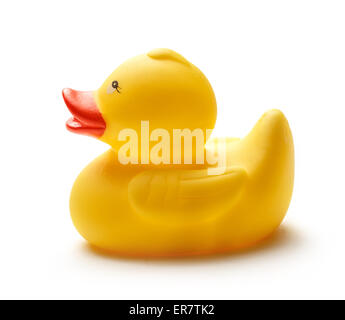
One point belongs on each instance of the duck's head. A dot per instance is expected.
(161, 87)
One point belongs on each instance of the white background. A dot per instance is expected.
(257, 55)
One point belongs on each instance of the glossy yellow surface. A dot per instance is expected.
(180, 210)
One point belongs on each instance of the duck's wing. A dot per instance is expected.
(187, 196)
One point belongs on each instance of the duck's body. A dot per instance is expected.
(156, 211)
(236, 211)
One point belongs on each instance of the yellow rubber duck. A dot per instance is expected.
(160, 206)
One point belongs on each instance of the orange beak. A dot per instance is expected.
(87, 118)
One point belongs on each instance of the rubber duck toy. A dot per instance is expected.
(145, 197)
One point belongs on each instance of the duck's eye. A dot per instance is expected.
(114, 86)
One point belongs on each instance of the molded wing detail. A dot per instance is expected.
(185, 196)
